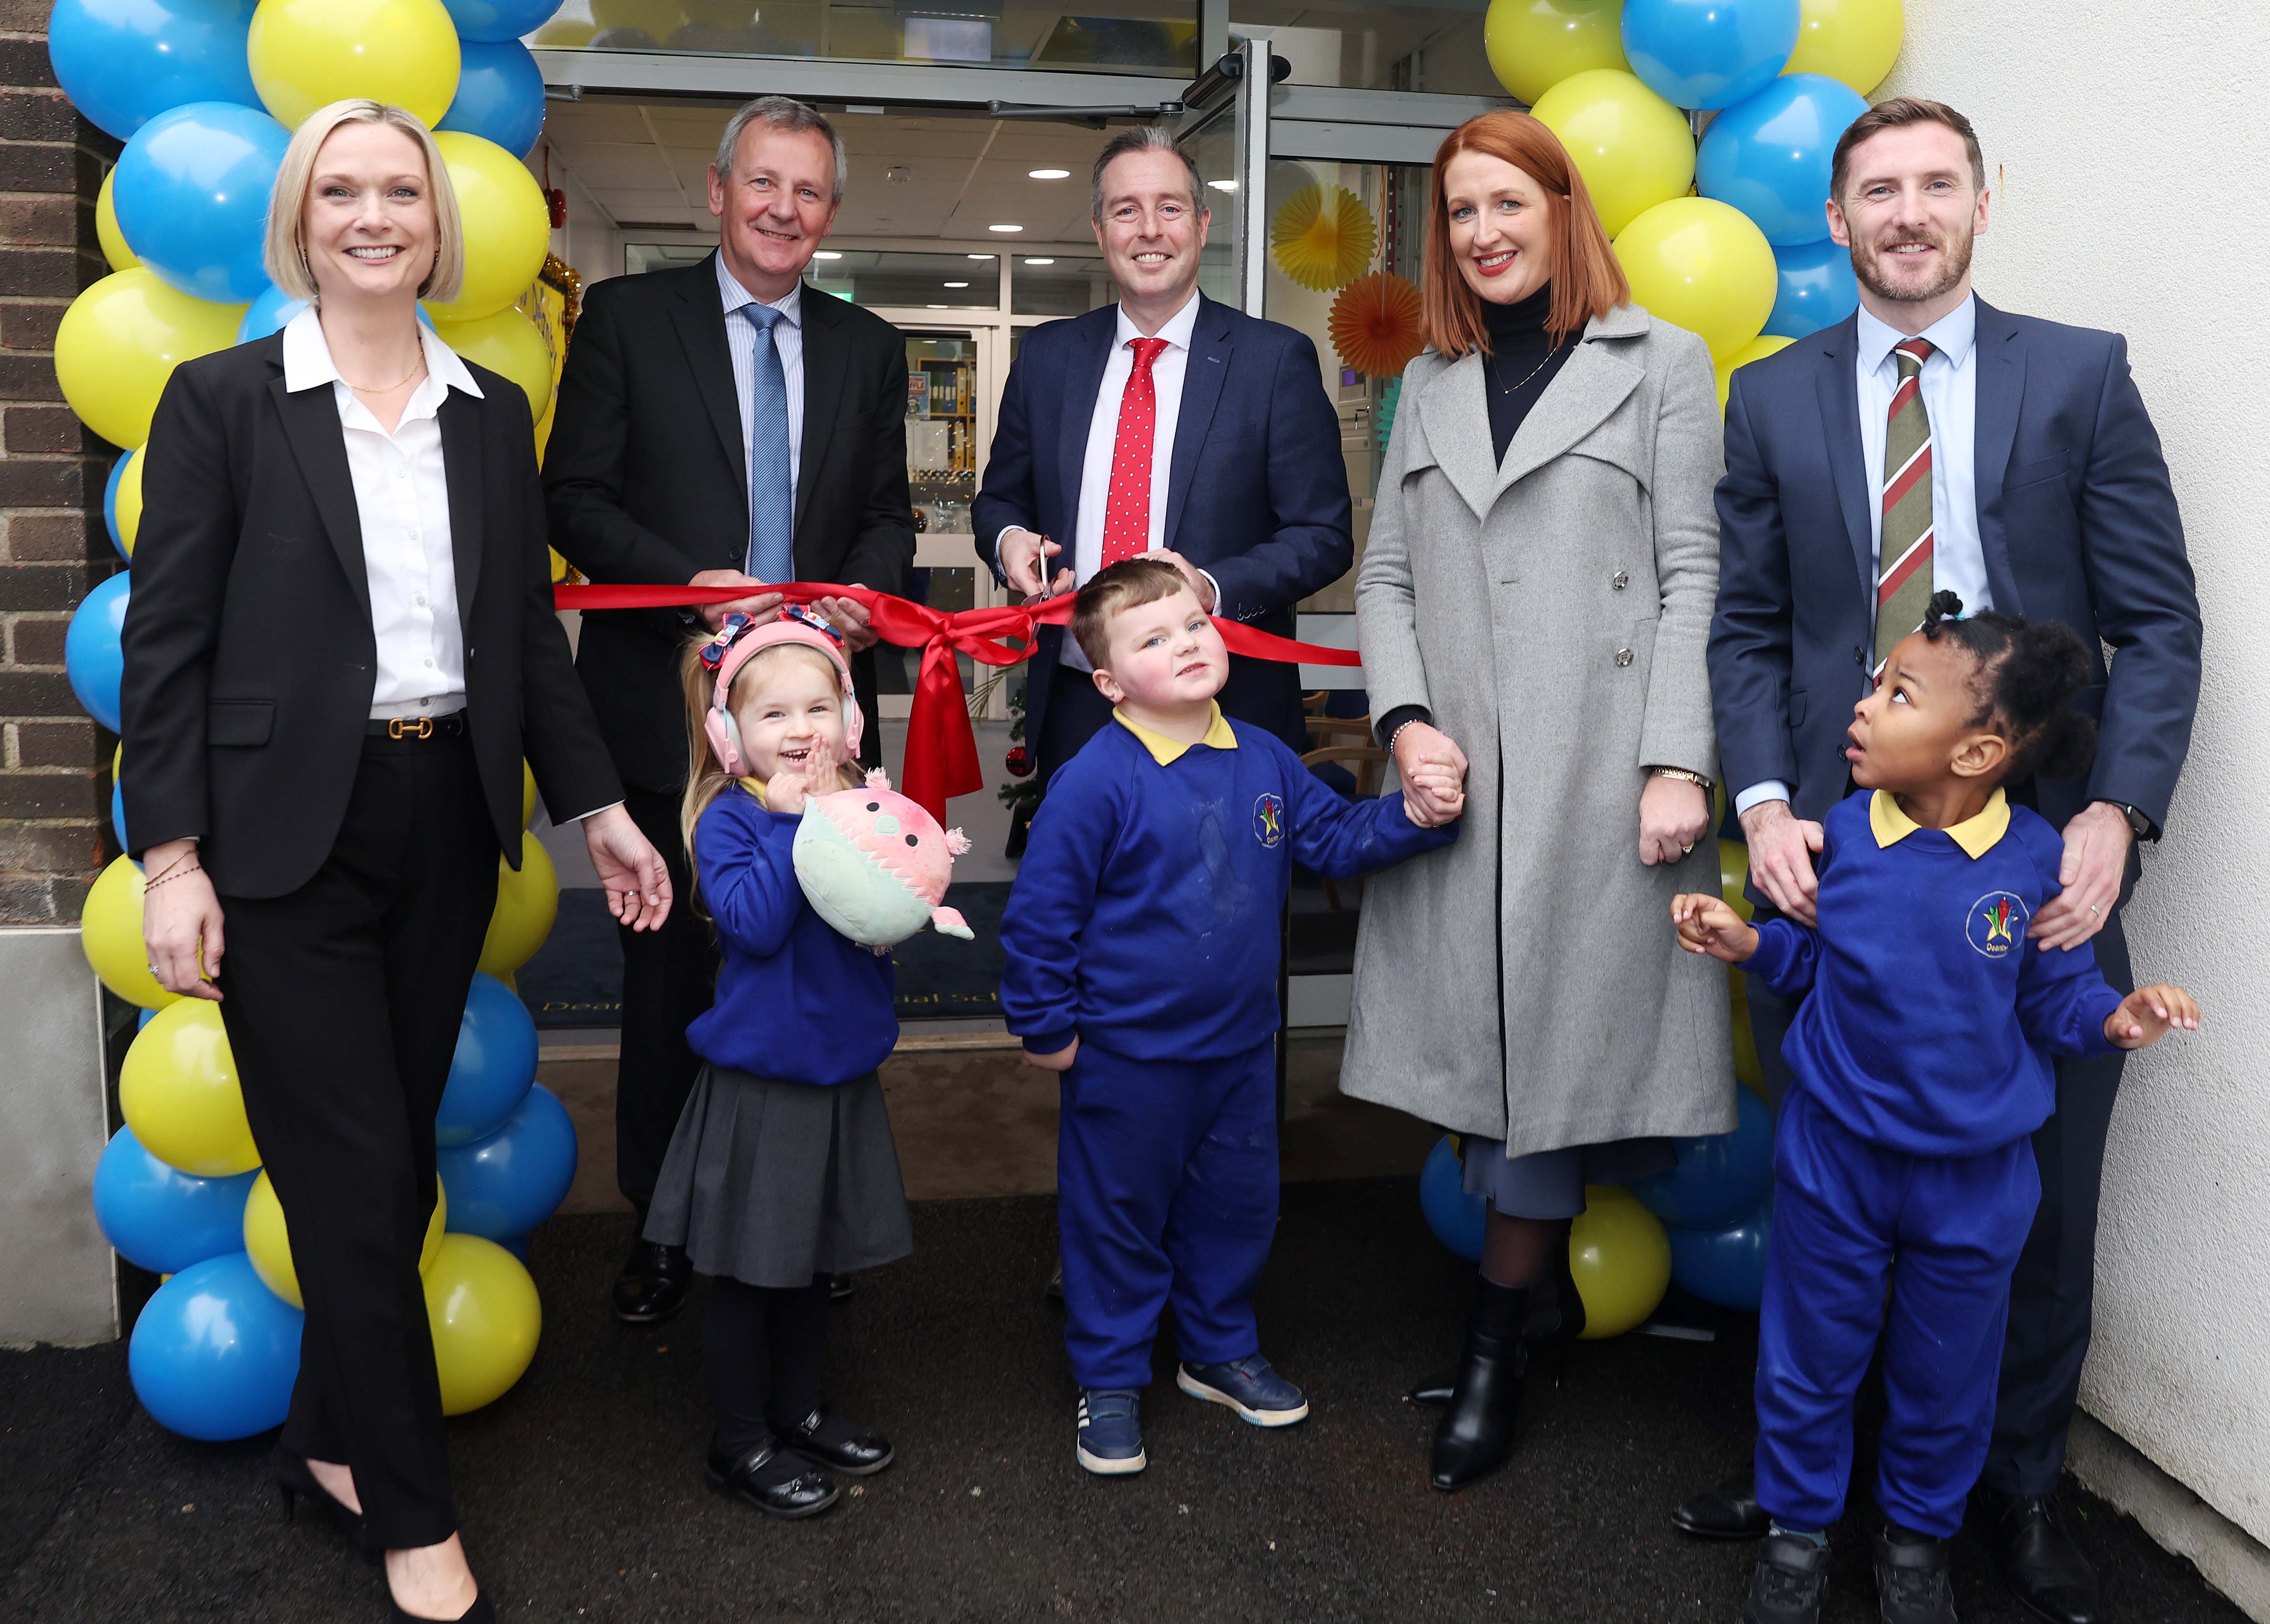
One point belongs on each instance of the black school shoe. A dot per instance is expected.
(775, 1482)
(1728, 1510)
(652, 1284)
(832, 1442)
(1912, 1586)
(1789, 1582)
(2041, 1564)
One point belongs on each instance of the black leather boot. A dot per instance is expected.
(1553, 1321)
(2042, 1567)
(1475, 1436)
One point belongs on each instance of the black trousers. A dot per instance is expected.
(2052, 1294)
(342, 1002)
(669, 976)
(1077, 712)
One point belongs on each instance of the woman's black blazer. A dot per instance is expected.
(250, 658)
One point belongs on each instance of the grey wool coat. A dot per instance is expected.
(1525, 984)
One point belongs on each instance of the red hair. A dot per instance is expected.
(1587, 281)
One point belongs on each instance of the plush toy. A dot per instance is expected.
(875, 866)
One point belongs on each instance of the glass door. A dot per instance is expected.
(1226, 132)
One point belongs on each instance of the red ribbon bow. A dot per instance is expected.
(941, 748)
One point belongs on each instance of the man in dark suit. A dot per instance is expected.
(721, 425)
(1165, 423)
(2022, 472)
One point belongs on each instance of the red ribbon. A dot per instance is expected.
(941, 748)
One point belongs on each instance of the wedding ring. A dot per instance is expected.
(2092, 907)
(1686, 849)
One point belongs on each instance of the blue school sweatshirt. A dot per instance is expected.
(795, 1001)
(1145, 915)
(1929, 1017)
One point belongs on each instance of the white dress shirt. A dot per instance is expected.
(1167, 370)
(402, 498)
(788, 342)
(1949, 382)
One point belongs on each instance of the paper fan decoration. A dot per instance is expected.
(1376, 325)
(1323, 237)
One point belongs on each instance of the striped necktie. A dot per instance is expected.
(1904, 549)
(772, 511)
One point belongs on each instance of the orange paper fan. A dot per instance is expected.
(1322, 236)
(1376, 325)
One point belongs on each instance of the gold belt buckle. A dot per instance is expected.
(410, 727)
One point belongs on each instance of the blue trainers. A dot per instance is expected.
(1111, 1431)
(1258, 1393)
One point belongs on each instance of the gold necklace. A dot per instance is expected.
(1515, 388)
(416, 368)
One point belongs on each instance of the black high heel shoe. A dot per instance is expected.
(479, 1612)
(294, 1482)
(1475, 1436)
(1549, 1332)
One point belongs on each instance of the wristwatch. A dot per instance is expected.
(2140, 823)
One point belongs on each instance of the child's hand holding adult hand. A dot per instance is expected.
(2148, 1014)
(1707, 924)
(1433, 796)
(1060, 1061)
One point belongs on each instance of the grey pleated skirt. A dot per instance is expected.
(773, 1182)
(1550, 1183)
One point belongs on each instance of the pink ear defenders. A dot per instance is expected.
(743, 637)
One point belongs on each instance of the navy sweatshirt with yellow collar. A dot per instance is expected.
(1929, 1017)
(1144, 918)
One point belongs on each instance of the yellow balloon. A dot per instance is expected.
(1622, 1260)
(178, 1091)
(115, 251)
(507, 225)
(1701, 265)
(507, 342)
(1733, 875)
(659, 17)
(1855, 41)
(130, 499)
(558, 566)
(308, 54)
(121, 340)
(525, 906)
(1535, 44)
(564, 33)
(486, 1317)
(1633, 148)
(110, 933)
(270, 1246)
(1756, 350)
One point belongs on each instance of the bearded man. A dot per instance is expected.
(1934, 442)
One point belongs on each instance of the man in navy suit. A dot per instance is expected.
(1166, 424)
(1934, 442)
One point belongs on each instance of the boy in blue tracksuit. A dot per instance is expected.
(1903, 1162)
(1142, 944)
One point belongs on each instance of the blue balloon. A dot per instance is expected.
(160, 1218)
(1705, 53)
(1455, 1217)
(215, 1351)
(489, 20)
(499, 97)
(1727, 1266)
(194, 184)
(512, 1181)
(110, 506)
(1720, 1177)
(118, 828)
(92, 659)
(1769, 156)
(1815, 289)
(271, 311)
(124, 62)
(495, 1067)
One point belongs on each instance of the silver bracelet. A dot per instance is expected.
(1397, 733)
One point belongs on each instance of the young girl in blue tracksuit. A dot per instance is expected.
(1904, 1162)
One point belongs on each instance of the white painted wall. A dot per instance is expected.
(2129, 135)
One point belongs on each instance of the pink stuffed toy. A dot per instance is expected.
(875, 866)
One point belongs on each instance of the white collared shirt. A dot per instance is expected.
(401, 499)
(788, 343)
(1949, 382)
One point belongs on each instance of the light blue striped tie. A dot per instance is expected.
(772, 508)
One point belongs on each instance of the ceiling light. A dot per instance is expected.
(984, 256)
(827, 253)
(935, 306)
(1004, 228)
(1040, 261)
(1223, 186)
(1050, 175)
(957, 284)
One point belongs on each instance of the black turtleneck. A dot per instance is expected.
(1521, 362)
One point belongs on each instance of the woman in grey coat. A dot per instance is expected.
(1533, 607)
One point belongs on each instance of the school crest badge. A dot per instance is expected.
(1997, 924)
(1269, 821)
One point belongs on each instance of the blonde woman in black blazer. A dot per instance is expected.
(340, 646)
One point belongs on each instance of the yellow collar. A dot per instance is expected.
(756, 787)
(1166, 752)
(1976, 835)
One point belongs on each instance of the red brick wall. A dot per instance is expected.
(55, 762)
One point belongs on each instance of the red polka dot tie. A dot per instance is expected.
(1127, 512)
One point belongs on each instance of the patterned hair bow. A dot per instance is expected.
(738, 626)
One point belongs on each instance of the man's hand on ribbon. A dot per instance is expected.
(1023, 553)
(850, 617)
(757, 603)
